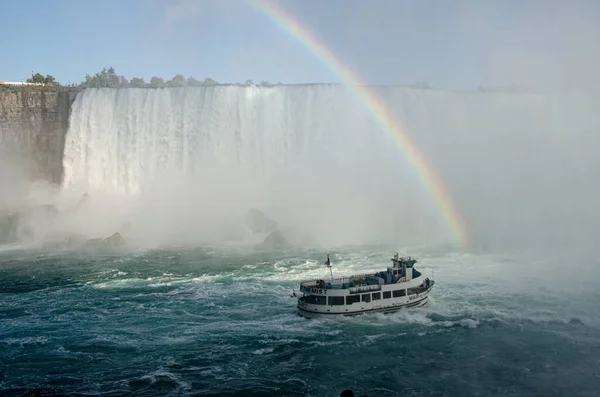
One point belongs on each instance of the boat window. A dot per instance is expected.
(387, 294)
(376, 296)
(366, 297)
(352, 299)
(315, 299)
(399, 292)
(336, 300)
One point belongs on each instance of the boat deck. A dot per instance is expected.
(372, 280)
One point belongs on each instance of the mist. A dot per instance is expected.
(186, 165)
(521, 168)
(13, 177)
(518, 157)
(24, 201)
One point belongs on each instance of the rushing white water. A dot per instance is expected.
(314, 157)
(124, 139)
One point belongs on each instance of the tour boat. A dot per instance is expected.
(400, 286)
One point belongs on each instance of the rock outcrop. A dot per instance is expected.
(275, 239)
(113, 241)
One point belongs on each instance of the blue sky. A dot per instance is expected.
(451, 44)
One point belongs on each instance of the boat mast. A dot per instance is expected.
(328, 263)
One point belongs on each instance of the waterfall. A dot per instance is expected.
(314, 156)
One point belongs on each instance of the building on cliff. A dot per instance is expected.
(18, 83)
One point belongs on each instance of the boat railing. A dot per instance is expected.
(364, 288)
(349, 282)
(311, 283)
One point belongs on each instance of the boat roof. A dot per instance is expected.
(404, 259)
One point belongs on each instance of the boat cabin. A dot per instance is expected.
(402, 270)
(403, 267)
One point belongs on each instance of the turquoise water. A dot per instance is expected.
(219, 321)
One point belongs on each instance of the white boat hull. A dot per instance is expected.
(423, 300)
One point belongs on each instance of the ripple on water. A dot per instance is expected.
(172, 324)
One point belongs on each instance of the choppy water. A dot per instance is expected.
(210, 321)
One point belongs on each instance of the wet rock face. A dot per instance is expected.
(35, 124)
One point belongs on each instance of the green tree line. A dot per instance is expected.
(109, 78)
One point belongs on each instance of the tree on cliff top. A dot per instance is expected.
(108, 78)
(137, 82)
(40, 79)
(105, 78)
(177, 81)
(157, 82)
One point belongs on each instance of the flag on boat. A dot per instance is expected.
(327, 262)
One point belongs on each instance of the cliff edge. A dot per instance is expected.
(33, 126)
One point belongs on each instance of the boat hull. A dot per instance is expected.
(384, 310)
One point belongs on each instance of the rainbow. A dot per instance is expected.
(376, 107)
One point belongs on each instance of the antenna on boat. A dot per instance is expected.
(328, 263)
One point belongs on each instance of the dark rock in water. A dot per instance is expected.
(258, 222)
(113, 241)
(275, 240)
